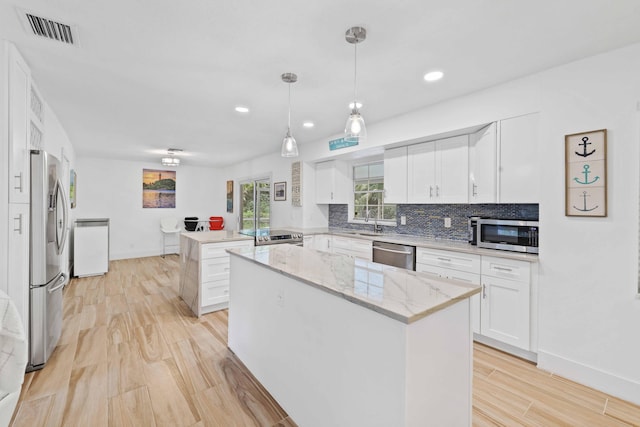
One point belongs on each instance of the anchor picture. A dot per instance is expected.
(586, 174)
(584, 204)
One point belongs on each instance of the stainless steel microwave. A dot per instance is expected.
(508, 235)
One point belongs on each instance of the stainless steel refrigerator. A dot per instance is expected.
(49, 218)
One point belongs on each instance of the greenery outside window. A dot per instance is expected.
(368, 193)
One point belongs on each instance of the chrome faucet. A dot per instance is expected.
(376, 228)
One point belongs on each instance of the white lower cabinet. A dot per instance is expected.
(18, 260)
(455, 266)
(214, 274)
(502, 311)
(358, 248)
(322, 242)
(505, 301)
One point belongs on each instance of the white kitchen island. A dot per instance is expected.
(340, 341)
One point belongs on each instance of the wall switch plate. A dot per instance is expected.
(447, 223)
(403, 220)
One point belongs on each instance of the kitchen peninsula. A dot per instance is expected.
(204, 268)
(342, 341)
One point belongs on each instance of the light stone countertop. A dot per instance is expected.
(216, 236)
(400, 294)
(422, 242)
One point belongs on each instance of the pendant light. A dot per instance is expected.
(355, 129)
(289, 145)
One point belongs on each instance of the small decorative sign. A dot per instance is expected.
(339, 143)
(586, 173)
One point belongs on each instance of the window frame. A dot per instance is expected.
(351, 206)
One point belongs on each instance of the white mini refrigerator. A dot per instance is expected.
(91, 247)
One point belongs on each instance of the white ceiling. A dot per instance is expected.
(154, 74)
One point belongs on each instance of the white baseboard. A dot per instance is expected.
(141, 254)
(607, 382)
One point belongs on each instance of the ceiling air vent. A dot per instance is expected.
(50, 29)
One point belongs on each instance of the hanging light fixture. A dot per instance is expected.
(355, 129)
(171, 161)
(289, 145)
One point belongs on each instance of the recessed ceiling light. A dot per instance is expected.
(308, 124)
(241, 109)
(358, 105)
(433, 76)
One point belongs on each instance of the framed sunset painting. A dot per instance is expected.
(158, 188)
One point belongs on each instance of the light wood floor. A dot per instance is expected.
(132, 354)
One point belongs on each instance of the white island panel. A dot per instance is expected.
(330, 360)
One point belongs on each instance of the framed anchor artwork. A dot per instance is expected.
(586, 174)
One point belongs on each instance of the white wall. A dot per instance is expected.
(113, 189)
(283, 214)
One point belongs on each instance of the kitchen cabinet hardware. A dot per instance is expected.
(484, 291)
(19, 219)
(495, 267)
(430, 191)
(444, 259)
(19, 178)
(475, 190)
(437, 191)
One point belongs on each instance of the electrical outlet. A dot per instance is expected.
(447, 223)
(403, 220)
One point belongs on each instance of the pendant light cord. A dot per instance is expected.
(355, 73)
(289, 122)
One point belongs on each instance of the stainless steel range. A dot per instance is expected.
(274, 237)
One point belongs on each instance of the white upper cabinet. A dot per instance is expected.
(19, 94)
(333, 182)
(483, 168)
(438, 171)
(395, 175)
(519, 168)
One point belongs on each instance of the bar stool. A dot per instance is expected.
(168, 225)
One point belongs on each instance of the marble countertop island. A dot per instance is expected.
(401, 294)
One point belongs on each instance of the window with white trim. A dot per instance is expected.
(368, 193)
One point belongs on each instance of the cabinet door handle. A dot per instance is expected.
(19, 187)
(475, 190)
(495, 267)
(430, 191)
(444, 259)
(19, 219)
(484, 291)
(437, 191)
(332, 195)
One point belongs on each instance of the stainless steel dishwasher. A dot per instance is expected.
(394, 254)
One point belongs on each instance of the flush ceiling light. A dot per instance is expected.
(355, 129)
(289, 145)
(242, 109)
(433, 76)
(171, 161)
(308, 124)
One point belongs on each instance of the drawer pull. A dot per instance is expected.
(495, 267)
(484, 291)
(444, 259)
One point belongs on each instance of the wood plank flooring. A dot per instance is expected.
(132, 354)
